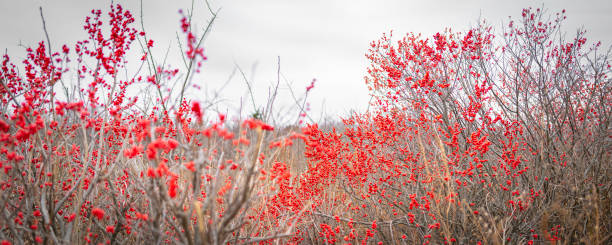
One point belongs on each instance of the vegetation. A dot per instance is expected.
(473, 137)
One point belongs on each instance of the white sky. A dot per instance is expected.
(326, 40)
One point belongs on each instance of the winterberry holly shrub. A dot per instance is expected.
(474, 137)
(85, 160)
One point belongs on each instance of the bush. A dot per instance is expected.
(93, 165)
(473, 138)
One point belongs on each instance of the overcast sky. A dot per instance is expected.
(326, 40)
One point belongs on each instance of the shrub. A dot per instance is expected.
(92, 166)
(473, 138)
